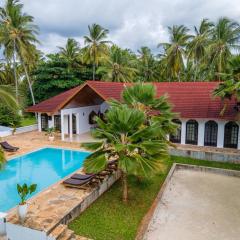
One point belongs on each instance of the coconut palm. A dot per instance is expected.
(230, 88)
(96, 46)
(71, 53)
(176, 49)
(197, 47)
(7, 96)
(127, 138)
(119, 67)
(148, 66)
(225, 38)
(18, 36)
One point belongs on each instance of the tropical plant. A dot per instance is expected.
(156, 108)
(176, 49)
(51, 131)
(2, 158)
(96, 46)
(119, 67)
(9, 116)
(24, 191)
(7, 97)
(18, 36)
(147, 65)
(197, 47)
(71, 53)
(225, 39)
(126, 137)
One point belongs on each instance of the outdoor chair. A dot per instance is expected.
(7, 147)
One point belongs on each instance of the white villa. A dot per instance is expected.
(72, 112)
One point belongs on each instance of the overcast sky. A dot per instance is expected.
(132, 23)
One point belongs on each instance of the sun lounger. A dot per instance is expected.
(7, 147)
(83, 176)
(76, 183)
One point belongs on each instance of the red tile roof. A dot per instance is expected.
(189, 99)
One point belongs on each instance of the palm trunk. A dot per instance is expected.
(14, 69)
(94, 69)
(125, 187)
(29, 83)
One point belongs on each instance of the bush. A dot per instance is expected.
(9, 117)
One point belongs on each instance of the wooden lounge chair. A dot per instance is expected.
(83, 176)
(7, 147)
(76, 183)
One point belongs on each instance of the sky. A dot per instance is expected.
(132, 23)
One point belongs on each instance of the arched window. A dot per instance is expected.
(192, 132)
(176, 138)
(210, 135)
(231, 135)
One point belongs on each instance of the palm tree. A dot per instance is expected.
(176, 49)
(230, 88)
(197, 47)
(157, 109)
(96, 46)
(225, 39)
(148, 66)
(71, 53)
(125, 136)
(119, 67)
(7, 96)
(18, 36)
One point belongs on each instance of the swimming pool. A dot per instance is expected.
(43, 167)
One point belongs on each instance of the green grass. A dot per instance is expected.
(110, 219)
(27, 121)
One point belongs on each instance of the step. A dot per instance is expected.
(68, 235)
(58, 232)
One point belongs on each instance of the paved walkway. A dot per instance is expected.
(197, 205)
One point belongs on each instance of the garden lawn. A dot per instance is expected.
(28, 121)
(110, 219)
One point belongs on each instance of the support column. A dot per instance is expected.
(201, 131)
(70, 126)
(39, 122)
(78, 123)
(62, 126)
(220, 136)
(183, 131)
(238, 147)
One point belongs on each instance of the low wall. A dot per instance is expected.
(9, 131)
(206, 155)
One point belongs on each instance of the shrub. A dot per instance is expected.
(9, 117)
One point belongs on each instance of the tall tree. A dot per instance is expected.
(148, 66)
(71, 53)
(96, 45)
(176, 49)
(197, 47)
(225, 39)
(7, 97)
(119, 67)
(18, 36)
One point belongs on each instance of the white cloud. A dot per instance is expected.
(132, 24)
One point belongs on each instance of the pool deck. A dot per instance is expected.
(31, 141)
(57, 204)
(197, 204)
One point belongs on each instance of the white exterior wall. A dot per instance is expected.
(82, 119)
(39, 122)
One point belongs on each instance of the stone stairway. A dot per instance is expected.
(61, 232)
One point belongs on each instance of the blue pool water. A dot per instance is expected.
(43, 167)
